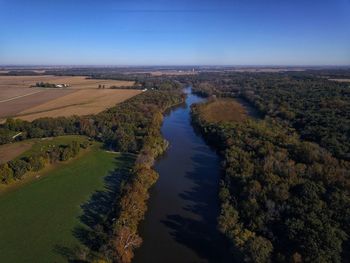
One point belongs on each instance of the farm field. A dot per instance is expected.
(83, 97)
(11, 150)
(40, 218)
(11, 108)
(221, 110)
(11, 93)
(340, 80)
(75, 82)
(81, 102)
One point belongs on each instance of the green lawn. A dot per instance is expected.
(41, 216)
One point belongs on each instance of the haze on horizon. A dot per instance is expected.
(164, 32)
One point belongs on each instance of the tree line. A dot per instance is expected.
(319, 109)
(120, 128)
(133, 126)
(138, 123)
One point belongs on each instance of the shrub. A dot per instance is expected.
(19, 167)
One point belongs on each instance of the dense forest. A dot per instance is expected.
(319, 109)
(282, 199)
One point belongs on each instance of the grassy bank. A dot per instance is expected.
(223, 110)
(38, 219)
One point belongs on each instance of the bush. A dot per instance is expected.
(6, 174)
(37, 163)
(19, 168)
(259, 250)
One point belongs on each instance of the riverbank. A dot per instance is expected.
(131, 204)
(180, 224)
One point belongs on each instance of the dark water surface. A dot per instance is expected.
(181, 222)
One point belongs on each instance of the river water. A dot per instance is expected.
(181, 222)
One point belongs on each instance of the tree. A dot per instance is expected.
(19, 167)
(36, 162)
(5, 136)
(259, 250)
(75, 148)
(6, 174)
(125, 242)
(65, 153)
(35, 133)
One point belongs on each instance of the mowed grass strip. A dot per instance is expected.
(41, 216)
(223, 110)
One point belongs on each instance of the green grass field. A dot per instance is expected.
(41, 216)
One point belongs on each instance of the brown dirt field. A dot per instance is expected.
(11, 92)
(16, 96)
(21, 81)
(221, 110)
(76, 82)
(172, 73)
(81, 102)
(13, 107)
(268, 70)
(10, 151)
(164, 72)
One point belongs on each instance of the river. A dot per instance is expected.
(181, 222)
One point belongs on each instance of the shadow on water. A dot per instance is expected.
(98, 214)
(181, 223)
(199, 231)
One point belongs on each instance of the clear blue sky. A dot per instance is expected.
(175, 32)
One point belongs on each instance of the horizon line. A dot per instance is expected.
(177, 65)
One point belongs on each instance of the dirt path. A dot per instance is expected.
(21, 96)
